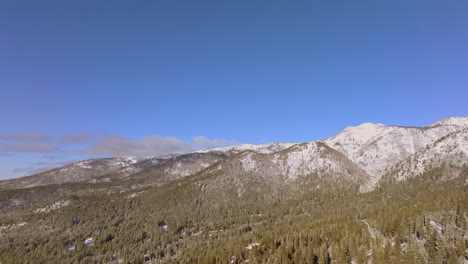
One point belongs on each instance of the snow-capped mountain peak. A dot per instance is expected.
(360, 134)
(375, 147)
(370, 150)
(451, 121)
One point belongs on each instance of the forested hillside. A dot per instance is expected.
(422, 220)
(315, 202)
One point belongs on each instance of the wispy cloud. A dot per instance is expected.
(26, 137)
(63, 163)
(116, 145)
(41, 166)
(40, 137)
(53, 156)
(39, 170)
(111, 145)
(33, 170)
(57, 151)
(29, 147)
(78, 138)
(41, 163)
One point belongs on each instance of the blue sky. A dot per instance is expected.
(82, 79)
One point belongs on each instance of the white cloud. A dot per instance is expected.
(148, 146)
(40, 166)
(26, 147)
(59, 150)
(40, 137)
(34, 136)
(33, 170)
(111, 145)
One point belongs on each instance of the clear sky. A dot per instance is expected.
(87, 78)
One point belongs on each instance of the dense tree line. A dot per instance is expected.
(421, 220)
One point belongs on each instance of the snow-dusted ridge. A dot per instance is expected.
(260, 148)
(375, 147)
(451, 121)
(451, 149)
(368, 150)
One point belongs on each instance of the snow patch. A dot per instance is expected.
(13, 226)
(264, 148)
(52, 207)
(135, 194)
(162, 225)
(252, 245)
(89, 242)
(84, 164)
(437, 227)
(116, 261)
(71, 247)
(131, 160)
(248, 163)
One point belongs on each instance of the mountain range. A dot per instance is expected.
(372, 193)
(361, 154)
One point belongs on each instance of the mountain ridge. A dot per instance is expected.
(312, 202)
(372, 147)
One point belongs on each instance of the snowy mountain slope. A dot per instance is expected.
(160, 171)
(149, 171)
(306, 166)
(265, 148)
(450, 150)
(75, 172)
(452, 121)
(311, 158)
(375, 147)
(359, 154)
